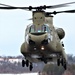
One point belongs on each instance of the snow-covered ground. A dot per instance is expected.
(22, 74)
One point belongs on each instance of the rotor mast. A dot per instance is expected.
(38, 18)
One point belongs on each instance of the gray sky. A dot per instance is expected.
(14, 22)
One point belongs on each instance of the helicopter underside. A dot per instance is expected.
(36, 53)
(42, 53)
(35, 56)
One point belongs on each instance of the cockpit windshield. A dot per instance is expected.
(39, 29)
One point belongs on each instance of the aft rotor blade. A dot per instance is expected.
(67, 11)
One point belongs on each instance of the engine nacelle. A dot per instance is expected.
(60, 32)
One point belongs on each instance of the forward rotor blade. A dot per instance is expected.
(5, 5)
(51, 7)
(14, 7)
(54, 6)
(60, 5)
(37, 8)
(8, 8)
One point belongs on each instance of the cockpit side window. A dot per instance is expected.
(32, 29)
(46, 29)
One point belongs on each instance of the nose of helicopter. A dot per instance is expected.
(38, 38)
(38, 34)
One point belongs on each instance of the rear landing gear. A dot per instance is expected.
(62, 62)
(28, 64)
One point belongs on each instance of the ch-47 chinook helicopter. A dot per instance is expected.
(42, 40)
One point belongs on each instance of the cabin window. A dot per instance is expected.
(43, 28)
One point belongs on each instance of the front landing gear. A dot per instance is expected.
(44, 59)
(28, 64)
(63, 62)
(58, 62)
(23, 63)
(30, 67)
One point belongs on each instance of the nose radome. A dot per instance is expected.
(38, 39)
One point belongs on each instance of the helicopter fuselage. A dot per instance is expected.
(40, 45)
(43, 41)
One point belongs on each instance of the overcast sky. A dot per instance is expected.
(14, 22)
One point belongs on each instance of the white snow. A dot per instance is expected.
(22, 74)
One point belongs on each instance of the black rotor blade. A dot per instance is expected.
(54, 6)
(37, 8)
(5, 5)
(67, 11)
(14, 7)
(59, 5)
(8, 8)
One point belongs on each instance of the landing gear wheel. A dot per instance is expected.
(62, 61)
(65, 66)
(23, 63)
(58, 62)
(27, 63)
(45, 60)
(30, 67)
